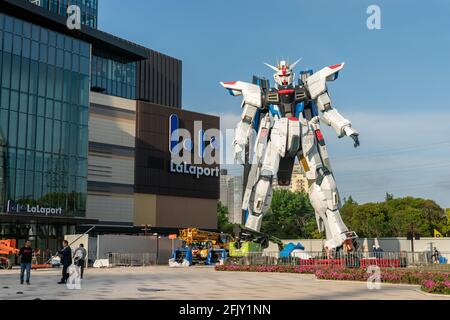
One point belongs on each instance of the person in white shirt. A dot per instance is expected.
(79, 258)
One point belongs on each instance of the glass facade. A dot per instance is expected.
(2, 169)
(46, 237)
(89, 9)
(44, 105)
(114, 77)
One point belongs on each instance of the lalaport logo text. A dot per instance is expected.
(187, 154)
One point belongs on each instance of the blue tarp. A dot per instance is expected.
(287, 250)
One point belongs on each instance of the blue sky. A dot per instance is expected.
(395, 87)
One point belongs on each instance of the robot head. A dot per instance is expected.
(284, 72)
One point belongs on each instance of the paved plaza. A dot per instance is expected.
(195, 283)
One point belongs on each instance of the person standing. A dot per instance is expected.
(26, 256)
(66, 260)
(436, 255)
(80, 258)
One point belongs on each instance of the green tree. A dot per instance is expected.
(395, 217)
(446, 225)
(223, 222)
(290, 216)
(429, 216)
(389, 196)
(350, 201)
(406, 220)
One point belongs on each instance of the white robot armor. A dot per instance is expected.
(287, 124)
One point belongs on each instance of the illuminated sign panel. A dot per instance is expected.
(180, 142)
(13, 207)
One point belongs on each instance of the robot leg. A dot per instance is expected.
(262, 193)
(261, 196)
(323, 192)
(325, 200)
(260, 204)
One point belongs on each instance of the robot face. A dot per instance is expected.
(284, 75)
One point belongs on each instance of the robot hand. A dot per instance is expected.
(352, 133)
(355, 138)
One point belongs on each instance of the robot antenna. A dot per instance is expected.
(271, 67)
(295, 63)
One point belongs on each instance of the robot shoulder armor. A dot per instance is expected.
(251, 92)
(316, 83)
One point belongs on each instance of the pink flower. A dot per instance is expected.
(428, 284)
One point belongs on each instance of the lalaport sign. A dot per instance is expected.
(13, 207)
(194, 170)
(188, 155)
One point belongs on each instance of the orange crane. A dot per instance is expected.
(191, 235)
(200, 246)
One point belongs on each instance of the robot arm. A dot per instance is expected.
(333, 118)
(252, 101)
(317, 88)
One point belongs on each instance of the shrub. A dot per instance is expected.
(432, 282)
(280, 269)
(433, 286)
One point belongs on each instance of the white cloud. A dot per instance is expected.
(229, 120)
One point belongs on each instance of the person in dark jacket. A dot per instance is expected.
(66, 260)
(26, 256)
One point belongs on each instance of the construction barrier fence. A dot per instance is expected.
(132, 259)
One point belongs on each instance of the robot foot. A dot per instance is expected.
(345, 241)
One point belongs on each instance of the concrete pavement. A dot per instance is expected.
(201, 283)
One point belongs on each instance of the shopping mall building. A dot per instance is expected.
(85, 122)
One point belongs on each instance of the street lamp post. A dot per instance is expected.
(413, 235)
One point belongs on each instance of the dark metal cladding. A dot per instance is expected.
(301, 94)
(159, 80)
(272, 97)
(286, 98)
(152, 167)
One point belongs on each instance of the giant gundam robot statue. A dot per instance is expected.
(281, 124)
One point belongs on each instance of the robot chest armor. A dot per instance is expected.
(287, 99)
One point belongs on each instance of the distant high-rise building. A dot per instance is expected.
(224, 186)
(235, 187)
(299, 183)
(231, 192)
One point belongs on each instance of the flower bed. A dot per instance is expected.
(432, 286)
(279, 269)
(432, 282)
(387, 275)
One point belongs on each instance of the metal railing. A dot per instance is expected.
(350, 260)
(132, 259)
(421, 260)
